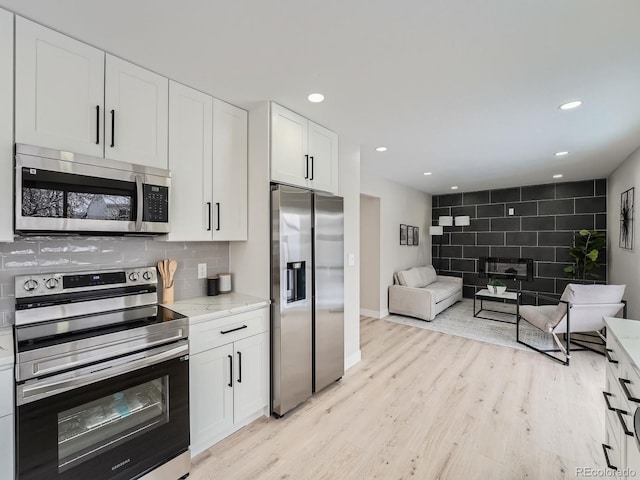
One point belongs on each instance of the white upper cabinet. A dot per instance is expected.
(208, 163)
(303, 153)
(71, 96)
(136, 114)
(289, 158)
(6, 126)
(229, 172)
(59, 91)
(190, 150)
(323, 158)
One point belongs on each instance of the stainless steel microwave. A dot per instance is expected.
(58, 191)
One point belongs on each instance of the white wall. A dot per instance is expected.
(369, 256)
(349, 153)
(249, 261)
(624, 265)
(398, 204)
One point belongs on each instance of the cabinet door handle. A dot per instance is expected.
(623, 384)
(306, 175)
(97, 124)
(606, 456)
(113, 128)
(607, 352)
(209, 216)
(230, 370)
(622, 422)
(606, 400)
(218, 212)
(224, 332)
(239, 367)
(311, 168)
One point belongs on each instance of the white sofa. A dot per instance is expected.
(419, 292)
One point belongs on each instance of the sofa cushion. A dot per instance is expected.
(411, 278)
(428, 274)
(442, 290)
(581, 294)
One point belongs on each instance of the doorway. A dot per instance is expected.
(370, 256)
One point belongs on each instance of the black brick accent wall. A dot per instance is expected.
(542, 227)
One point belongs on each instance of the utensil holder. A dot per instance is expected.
(224, 282)
(212, 286)
(167, 295)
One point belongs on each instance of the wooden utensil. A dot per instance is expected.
(173, 265)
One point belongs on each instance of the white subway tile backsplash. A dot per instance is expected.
(36, 255)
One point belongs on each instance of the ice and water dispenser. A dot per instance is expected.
(296, 281)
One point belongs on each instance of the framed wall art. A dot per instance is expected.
(626, 219)
(409, 235)
(403, 234)
(416, 236)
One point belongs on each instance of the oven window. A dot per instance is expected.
(93, 428)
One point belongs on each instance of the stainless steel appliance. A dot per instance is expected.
(307, 282)
(60, 191)
(102, 378)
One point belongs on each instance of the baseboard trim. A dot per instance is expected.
(370, 313)
(384, 313)
(352, 359)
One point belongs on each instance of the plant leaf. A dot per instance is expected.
(593, 255)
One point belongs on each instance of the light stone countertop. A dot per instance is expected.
(6, 348)
(200, 309)
(628, 334)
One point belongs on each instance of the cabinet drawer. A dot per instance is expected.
(206, 335)
(6, 391)
(629, 382)
(614, 354)
(614, 453)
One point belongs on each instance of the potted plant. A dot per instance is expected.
(497, 286)
(588, 249)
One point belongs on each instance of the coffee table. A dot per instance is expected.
(486, 295)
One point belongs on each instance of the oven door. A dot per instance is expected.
(118, 427)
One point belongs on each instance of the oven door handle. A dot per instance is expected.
(47, 387)
(139, 203)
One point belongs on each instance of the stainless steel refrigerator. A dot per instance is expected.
(307, 291)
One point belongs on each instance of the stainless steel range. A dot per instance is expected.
(102, 378)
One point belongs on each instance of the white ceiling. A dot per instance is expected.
(466, 89)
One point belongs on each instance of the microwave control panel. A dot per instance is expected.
(156, 204)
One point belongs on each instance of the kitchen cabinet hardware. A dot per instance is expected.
(620, 413)
(623, 383)
(607, 353)
(224, 332)
(239, 367)
(311, 157)
(218, 216)
(306, 164)
(606, 400)
(113, 128)
(97, 124)
(209, 216)
(230, 370)
(606, 447)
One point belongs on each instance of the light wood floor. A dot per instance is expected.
(425, 405)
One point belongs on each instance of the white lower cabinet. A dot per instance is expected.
(229, 376)
(6, 424)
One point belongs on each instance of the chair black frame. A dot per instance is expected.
(566, 350)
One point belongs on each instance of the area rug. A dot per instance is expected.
(459, 320)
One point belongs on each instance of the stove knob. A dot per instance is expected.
(134, 276)
(51, 283)
(147, 275)
(30, 285)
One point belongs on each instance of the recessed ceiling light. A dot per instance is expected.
(316, 98)
(454, 187)
(381, 149)
(570, 105)
(561, 154)
(557, 175)
(427, 173)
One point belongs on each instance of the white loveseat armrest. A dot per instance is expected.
(413, 302)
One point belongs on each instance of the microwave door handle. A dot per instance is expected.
(139, 203)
